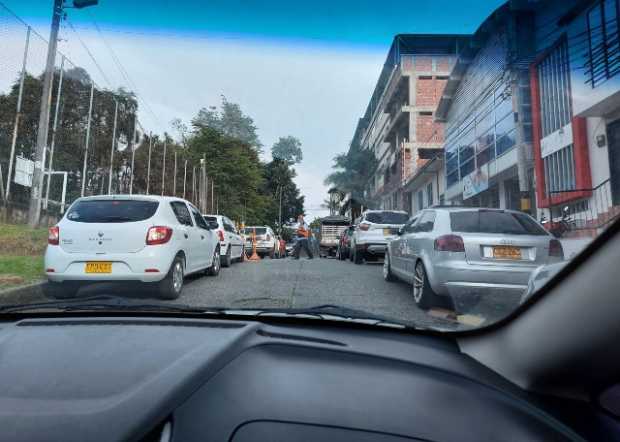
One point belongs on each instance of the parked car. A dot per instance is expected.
(447, 250)
(540, 277)
(156, 240)
(344, 243)
(372, 232)
(329, 233)
(266, 242)
(231, 241)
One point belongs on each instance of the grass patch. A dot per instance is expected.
(21, 255)
(20, 270)
(21, 240)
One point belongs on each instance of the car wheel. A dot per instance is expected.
(423, 294)
(61, 290)
(172, 285)
(214, 270)
(226, 260)
(387, 269)
(357, 257)
(272, 253)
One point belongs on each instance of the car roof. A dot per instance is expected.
(135, 197)
(471, 209)
(386, 210)
(214, 216)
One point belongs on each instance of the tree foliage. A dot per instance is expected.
(287, 149)
(352, 170)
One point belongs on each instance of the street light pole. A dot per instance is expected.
(90, 115)
(148, 164)
(133, 151)
(54, 131)
(34, 209)
(113, 147)
(163, 169)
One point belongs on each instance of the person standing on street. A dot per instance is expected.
(303, 232)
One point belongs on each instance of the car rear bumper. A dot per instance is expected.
(125, 267)
(459, 277)
(374, 248)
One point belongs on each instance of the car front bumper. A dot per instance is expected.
(125, 267)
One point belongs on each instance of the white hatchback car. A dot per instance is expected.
(266, 242)
(373, 230)
(231, 241)
(145, 238)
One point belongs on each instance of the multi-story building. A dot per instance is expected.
(487, 114)
(575, 88)
(399, 120)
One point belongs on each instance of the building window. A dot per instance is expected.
(483, 135)
(560, 170)
(429, 194)
(603, 57)
(554, 86)
(420, 200)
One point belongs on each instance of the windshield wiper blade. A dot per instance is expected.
(99, 302)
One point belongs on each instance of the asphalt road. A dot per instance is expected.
(287, 283)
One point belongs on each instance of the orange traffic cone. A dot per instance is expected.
(254, 256)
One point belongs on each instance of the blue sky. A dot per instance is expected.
(298, 68)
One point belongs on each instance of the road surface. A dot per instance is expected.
(287, 283)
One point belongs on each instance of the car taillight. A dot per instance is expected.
(268, 238)
(53, 236)
(221, 233)
(158, 235)
(555, 248)
(449, 243)
(364, 226)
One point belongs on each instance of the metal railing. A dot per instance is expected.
(594, 212)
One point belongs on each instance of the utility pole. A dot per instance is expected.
(280, 211)
(34, 209)
(18, 115)
(54, 131)
(90, 115)
(163, 169)
(113, 147)
(148, 164)
(194, 200)
(212, 190)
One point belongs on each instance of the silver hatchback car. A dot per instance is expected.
(444, 251)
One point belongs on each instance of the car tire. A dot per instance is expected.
(387, 269)
(214, 270)
(61, 290)
(171, 286)
(226, 260)
(272, 253)
(357, 257)
(423, 294)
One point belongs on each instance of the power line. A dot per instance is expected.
(124, 72)
(92, 57)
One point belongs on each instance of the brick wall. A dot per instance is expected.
(429, 91)
(427, 130)
(443, 64)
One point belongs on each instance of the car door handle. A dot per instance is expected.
(202, 237)
(186, 235)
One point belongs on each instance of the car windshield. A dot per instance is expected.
(420, 163)
(387, 217)
(108, 211)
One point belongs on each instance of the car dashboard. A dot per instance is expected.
(159, 378)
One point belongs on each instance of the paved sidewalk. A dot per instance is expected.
(572, 246)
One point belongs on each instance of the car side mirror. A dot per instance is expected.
(401, 230)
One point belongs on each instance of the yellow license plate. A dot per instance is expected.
(98, 267)
(387, 232)
(506, 252)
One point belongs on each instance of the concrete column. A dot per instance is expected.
(502, 195)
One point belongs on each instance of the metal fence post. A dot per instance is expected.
(133, 151)
(113, 147)
(17, 116)
(148, 164)
(54, 131)
(90, 116)
(163, 170)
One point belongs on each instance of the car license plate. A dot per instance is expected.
(387, 232)
(506, 252)
(98, 267)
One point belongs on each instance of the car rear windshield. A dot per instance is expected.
(210, 219)
(259, 230)
(494, 221)
(112, 211)
(387, 217)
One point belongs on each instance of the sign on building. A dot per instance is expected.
(476, 182)
(24, 169)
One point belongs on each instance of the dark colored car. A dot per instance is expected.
(344, 244)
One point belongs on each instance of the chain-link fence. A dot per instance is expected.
(93, 132)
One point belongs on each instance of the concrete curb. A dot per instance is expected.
(24, 294)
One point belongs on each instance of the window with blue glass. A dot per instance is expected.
(487, 132)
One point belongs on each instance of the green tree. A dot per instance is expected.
(287, 149)
(230, 121)
(352, 170)
(279, 178)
